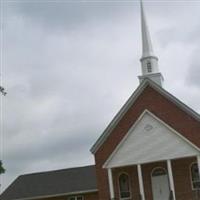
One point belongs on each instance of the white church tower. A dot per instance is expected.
(149, 61)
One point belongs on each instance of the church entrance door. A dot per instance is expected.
(160, 184)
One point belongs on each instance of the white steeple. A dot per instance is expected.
(149, 61)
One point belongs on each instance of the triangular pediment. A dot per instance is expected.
(150, 140)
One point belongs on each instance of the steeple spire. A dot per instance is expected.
(149, 61)
(147, 49)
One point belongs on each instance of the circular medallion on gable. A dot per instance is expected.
(148, 127)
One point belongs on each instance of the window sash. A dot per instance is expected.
(195, 178)
(124, 187)
(75, 198)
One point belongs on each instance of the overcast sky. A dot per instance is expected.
(69, 66)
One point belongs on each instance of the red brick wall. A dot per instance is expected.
(182, 179)
(163, 109)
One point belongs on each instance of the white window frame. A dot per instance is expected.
(129, 182)
(75, 197)
(190, 168)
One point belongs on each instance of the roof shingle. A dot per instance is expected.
(52, 183)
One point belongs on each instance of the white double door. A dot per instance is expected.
(160, 187)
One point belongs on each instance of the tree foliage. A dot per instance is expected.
(2, 90)
(2, 170)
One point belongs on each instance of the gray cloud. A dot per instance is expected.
(193, 77)
(67, 15)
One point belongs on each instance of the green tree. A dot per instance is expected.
(2, 90)
(2, 170)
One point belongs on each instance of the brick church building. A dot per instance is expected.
(149, 151)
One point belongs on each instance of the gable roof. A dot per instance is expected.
(52, 183)
(146, 82)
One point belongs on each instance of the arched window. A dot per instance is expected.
(195, 176)
(149, 68)
(124, 186)
(159, 171)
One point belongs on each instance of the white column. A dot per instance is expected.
(171, 179)
(141, 185)
(111, 187)
(198, 163)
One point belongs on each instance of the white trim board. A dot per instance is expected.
(150, 140)
(131, 101)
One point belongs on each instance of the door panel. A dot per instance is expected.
(160, 187)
